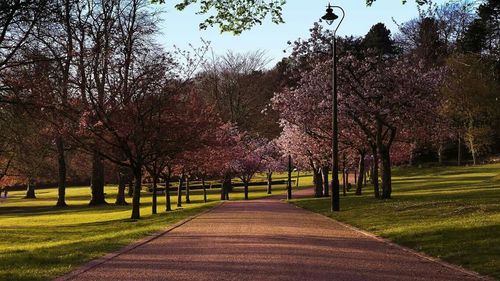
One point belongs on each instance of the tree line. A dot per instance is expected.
(87, 94)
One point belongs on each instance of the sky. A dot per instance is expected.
(180, 28)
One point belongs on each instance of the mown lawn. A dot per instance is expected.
(40, 242)
(448, 212)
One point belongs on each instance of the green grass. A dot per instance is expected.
(448, 212)
(40, 242)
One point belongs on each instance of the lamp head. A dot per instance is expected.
(329, 17)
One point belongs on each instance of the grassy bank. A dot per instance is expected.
(39, 242)
(448, 212)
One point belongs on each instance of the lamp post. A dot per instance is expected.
(330, 17)
(289, 181)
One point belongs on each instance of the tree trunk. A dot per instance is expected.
(154, 205)
(122, 182)
(188, 200)
(374, 173)
(179, 192)
(318, 183)
(229, 187)
(472, 150)
(222, 190)
(440, 154)
(204, 190)
(386, 172)
(324, 172)
(97, 185)
(368, 172)
(245, 183)
(344, 182)
(366, 175)
(130, 186)
(61, 184)
(30, 190)
(344, 172)
(269, 182)
(347, 179)
(136, 199)
(226, 186)
(168, 204)
(361, 172)
(459, 156)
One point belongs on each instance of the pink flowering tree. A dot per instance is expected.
(272, 161)
(380, 97)
(385, 96)
(250, 160)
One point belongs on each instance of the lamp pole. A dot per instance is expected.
(330, 17)
(289, 181)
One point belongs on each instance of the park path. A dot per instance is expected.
(267, 240)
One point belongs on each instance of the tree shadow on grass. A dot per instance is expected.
(467, 246)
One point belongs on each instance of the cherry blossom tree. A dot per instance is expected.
(249, 160)
(384, 96)
(381, 95)
(272, 161)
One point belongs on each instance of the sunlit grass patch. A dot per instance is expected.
(39, 242)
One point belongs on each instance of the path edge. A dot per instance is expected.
(406, 249)
(98, 261)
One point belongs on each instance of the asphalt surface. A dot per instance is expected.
(268, 240)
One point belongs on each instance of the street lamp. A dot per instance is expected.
(330, 17)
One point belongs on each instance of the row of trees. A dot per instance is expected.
(85, 90)
(435, 83)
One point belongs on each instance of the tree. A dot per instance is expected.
(32, 151)
(305, 104)
(383, 97)
(436, 32)
(471, 96)
(272, 161)
(17, 21)
(483, 34)
(240, 88)
(249, 160)
(379, 39)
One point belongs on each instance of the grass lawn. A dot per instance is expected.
(39, 242)
(448, 212)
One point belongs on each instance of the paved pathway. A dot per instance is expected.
(268, 240)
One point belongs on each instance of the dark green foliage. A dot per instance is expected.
(483, 34)
(379, 39)
(430, 47)
(474, 39)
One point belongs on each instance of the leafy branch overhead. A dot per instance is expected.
(237, 16)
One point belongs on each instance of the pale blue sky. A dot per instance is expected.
(181, 28)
